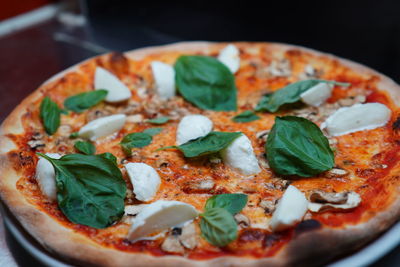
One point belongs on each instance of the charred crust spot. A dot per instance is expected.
(396, 124)
(251, 235)
(271, 239)
(21, 159)
(176, 231)
(307, 225)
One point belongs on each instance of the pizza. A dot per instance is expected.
(206, 154)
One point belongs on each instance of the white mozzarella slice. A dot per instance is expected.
(160, 215)
(102, 126)
(290, 210)
(229, 56)
(317, 94)
(145, 180)
(117, 90)
(192, 127)
(356, 118)
(46, 177)
(164, 77)
(240, 155)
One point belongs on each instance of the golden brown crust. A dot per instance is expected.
(301, 250)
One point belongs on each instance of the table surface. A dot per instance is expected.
(35, 54)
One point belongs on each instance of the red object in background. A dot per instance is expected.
(11, 8)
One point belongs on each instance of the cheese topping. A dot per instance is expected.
(102, 126)
(145, 180)
(290, 210)
(164, 77)
(356, 118)
(192, 127)
(46, 177)
(117, 90)
(240, 155)
(317, 94)
(229, 56)
(160, 215)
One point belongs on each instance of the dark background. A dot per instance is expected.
(365, 31)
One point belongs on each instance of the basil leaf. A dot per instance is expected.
(246, 116)
(233, 203)
(289, 94)
(153, 131)
(110, 157)
(50, 115)
(218, 227)
(159, 120)
(83, 101)
(209, 144)
(206, 83)
(90, 189)
(85, 147)
(296, 146)
(74, 135)
(135, 140)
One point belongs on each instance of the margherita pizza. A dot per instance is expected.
(206, 154)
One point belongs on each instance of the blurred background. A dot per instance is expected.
(39, 38)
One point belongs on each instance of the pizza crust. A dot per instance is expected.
(304, 249)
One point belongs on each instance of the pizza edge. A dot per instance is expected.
(306, 248)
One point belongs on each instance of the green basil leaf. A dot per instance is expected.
(135, 140)
(85, 147)
(153, 131)
(50, 114)
(109, 156)
(289, 94)
(246, 116)
(74, 135)
(206, 83)
(90, 189)
(233, 203)
(209, 144)
(218, 227)
(296, 146)
(83, 101)
(159, 120)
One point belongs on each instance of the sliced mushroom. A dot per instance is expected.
(188, 237)
(263, 135)
(336, 173)
(131, 211)
(268, 205)
(172, 244)
(281, 68)
(34, 144)
(242, 220)
(198, 185)
(134, 118)
(321, 201)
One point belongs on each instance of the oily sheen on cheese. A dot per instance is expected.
(145, 180)
(240, 155)
(117, 91)
(46, 177)
(102, 127)
(357, 118)
(161, 215)
(290, 210)
(192, 127)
